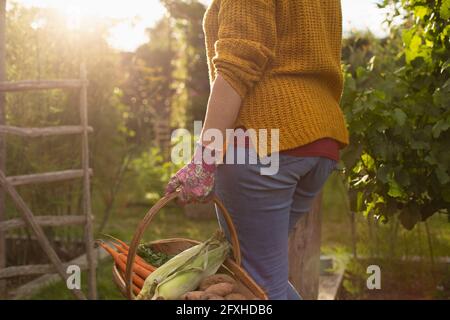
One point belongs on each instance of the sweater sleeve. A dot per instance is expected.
(246, 42)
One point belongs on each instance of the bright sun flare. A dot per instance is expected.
(137, 15)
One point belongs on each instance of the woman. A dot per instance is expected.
(274, 64)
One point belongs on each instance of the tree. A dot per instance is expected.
(192, 67)
(149, 89)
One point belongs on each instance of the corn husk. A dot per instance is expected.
(185, 271)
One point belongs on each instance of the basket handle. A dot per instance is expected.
(143, 225)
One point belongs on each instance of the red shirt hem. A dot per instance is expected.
(325, 147)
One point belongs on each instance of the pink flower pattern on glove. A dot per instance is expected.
(195, 182)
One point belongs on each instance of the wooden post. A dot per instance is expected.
(2, 140)
(87, 210)
(304, 253)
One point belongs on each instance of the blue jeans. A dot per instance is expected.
(265, 208)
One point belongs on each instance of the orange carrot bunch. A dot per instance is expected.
(141, 269)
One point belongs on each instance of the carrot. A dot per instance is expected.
(142, 272)
(123, 244)
(138, 281)
(138, 260)
(108, 249)
(124, 248)
(136, 289)
(120, 248)
(144, 264)
(121, 260)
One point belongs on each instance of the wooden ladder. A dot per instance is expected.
(35, 223)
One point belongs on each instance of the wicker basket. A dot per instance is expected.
(232, 266)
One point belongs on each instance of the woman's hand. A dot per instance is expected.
(195, 182)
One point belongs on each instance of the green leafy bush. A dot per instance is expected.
(397, 108)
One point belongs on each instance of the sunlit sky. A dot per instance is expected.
(137, 15)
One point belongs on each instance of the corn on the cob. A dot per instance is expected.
(184, 272)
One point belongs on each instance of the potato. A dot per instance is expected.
(235, 296)
(215, 279)
(193, 295)
(221, 289)
(211, 296)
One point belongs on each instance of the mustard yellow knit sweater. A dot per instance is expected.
(283, 58)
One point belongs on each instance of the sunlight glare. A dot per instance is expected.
(73, 17)
(134, 16)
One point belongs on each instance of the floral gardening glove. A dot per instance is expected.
(195, 180)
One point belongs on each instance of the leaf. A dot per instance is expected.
(420, 12)
(395, 190)
(360, 72)
(407, 35)
(371, 63)
(368, 161)
(380, 95)
(410, 216)
(446, 65)
(350, 83)
(442, 175)
(363, 180)
(413, 49)
(383, 173)
(351, 154)
(399, 116)
(444, 12)
(441, 126)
